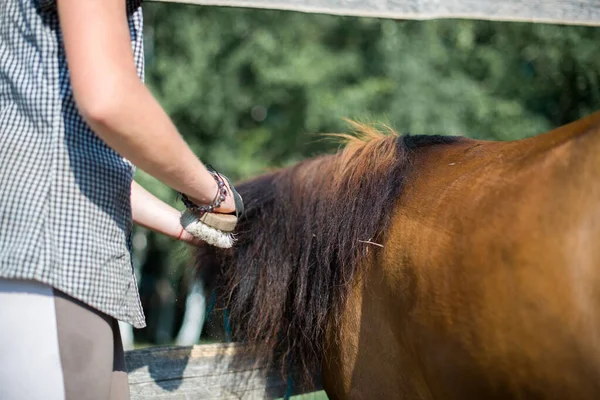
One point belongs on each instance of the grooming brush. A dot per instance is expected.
(214, 228)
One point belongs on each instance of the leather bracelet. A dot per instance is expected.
(222, 193)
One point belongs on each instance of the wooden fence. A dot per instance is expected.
(572, 12)
(201, 372)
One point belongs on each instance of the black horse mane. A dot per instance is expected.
(303, 240)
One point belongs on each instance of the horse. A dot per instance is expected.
(425, 267)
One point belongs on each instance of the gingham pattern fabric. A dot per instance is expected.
(65, 217)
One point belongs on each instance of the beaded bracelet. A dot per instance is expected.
(216, 203)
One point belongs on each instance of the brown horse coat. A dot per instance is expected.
(480, 278)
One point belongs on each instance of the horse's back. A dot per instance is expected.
(489, 281)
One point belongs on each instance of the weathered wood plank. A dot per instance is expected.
(216, 371)
(572, 12)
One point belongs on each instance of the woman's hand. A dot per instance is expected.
(186, 237)
(156, 215)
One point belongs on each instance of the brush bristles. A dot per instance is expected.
(204, 232)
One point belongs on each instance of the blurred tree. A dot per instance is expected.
(250, 89)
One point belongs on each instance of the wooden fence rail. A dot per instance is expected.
(572, 12)
(214, 371)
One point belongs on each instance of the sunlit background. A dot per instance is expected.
(252, 90)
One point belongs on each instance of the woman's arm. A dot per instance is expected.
(118, 106)
(152, 213)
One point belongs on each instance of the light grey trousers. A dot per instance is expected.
(53, 347)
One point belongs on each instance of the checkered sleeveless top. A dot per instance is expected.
(65, 217)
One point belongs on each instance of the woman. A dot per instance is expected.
(75, 117)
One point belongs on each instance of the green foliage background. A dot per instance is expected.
(253, 89)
